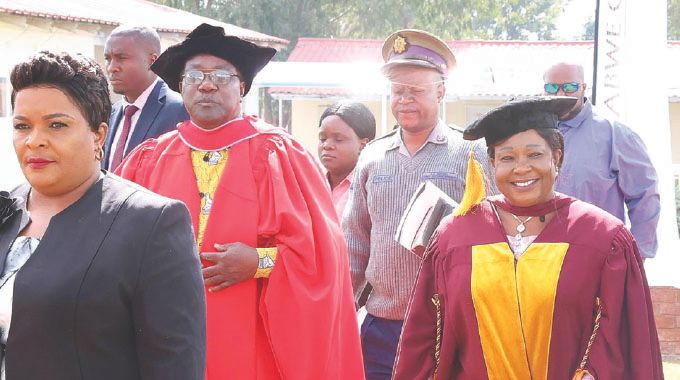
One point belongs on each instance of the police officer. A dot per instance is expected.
(422, 148)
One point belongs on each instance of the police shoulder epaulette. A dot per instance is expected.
(455, 128)
(388, 134)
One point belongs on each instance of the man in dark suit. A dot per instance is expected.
(148, 108)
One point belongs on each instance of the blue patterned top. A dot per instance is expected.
(22, 248)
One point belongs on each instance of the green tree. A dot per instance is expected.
(674, 19)
(287, 19)
(202, 7)
(520, 19)
(588, 30)
(450, 19)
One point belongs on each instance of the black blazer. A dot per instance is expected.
(161, 113)
(113, 291)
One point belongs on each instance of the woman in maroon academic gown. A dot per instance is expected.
(530, 284)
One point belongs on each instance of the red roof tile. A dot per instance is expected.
(336, 50)
(107, 12)
(484, 68)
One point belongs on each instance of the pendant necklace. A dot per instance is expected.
(520, 227)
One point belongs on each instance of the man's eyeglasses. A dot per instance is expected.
(410, 90)
(215, 76)
(568, 88)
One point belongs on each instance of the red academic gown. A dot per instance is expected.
(300, 323)
(532, 319)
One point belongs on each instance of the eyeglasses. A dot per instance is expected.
(216, 76)
(568, 88)
(403, 90)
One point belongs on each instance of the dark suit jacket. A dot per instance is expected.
(113, 291)
(161, 113)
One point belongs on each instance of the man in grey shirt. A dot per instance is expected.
(389, 170)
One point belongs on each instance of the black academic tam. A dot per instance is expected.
(519, 115)
(247, 57)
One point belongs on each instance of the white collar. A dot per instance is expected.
(141, 99)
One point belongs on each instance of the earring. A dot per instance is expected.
(99, 153)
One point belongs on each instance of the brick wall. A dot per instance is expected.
(666, 300)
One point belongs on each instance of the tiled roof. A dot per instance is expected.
(107, 12)
(336, 50)
(486, 69)
(360, 50)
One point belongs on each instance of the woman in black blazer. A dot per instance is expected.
(100, 278)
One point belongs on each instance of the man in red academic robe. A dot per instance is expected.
(279, 297)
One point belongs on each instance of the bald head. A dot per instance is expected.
(572, 73)
(565, 69)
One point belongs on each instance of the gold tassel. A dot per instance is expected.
(474, 187)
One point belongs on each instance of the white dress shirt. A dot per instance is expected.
(139, 103)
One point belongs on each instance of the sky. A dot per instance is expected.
(576, 13)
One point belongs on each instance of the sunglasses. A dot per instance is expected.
(216, 76)
(568, 88)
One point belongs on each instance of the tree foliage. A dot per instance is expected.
(588, 30)
(202, 7)
(449, 19)
(674, 19)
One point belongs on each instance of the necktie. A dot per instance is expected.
(122, 140)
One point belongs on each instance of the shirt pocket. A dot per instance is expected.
(453, 184)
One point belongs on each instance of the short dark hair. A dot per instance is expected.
(356, 115)
(552, 136)
(145, 36)
(79, 77)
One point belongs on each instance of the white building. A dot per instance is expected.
(81, 26)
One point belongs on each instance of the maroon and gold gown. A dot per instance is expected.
(531, 318)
